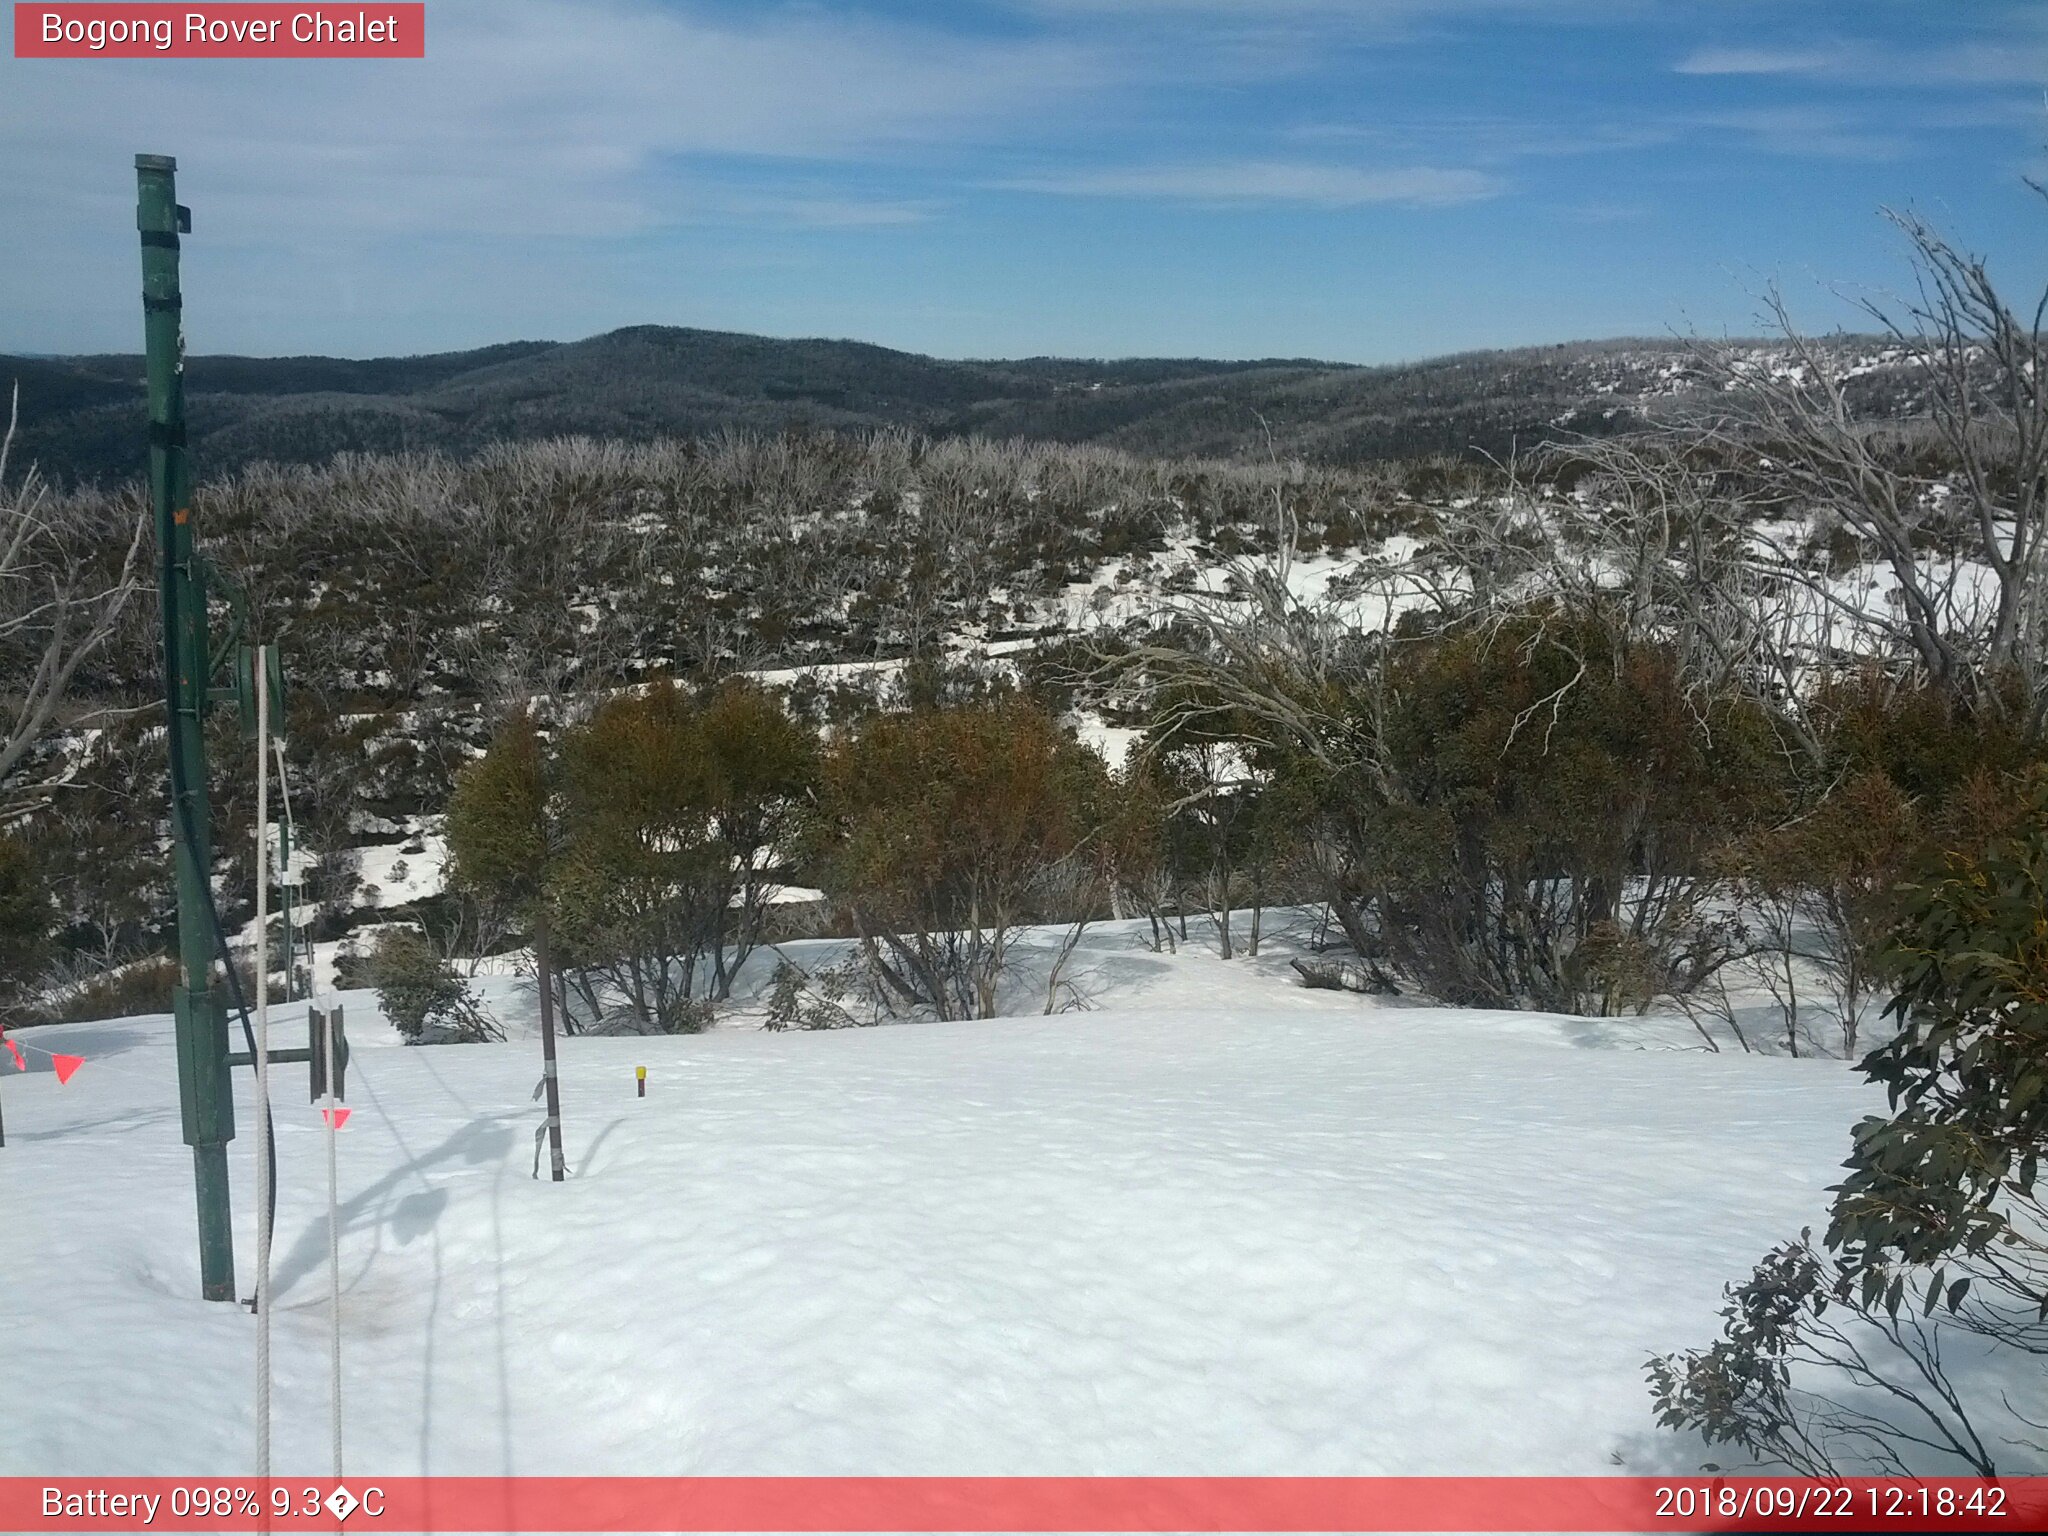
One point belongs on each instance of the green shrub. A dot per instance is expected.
(139, 987)
(939, 833)
(1939, 1228)
(1557, 800)
(26, 916)
(420, 993)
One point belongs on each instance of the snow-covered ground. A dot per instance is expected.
(1217, 1224)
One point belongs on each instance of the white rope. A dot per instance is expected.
(325, 1045)
(266, 1196)
(284, 872)
(333, 1251)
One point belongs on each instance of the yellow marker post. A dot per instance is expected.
(640, 1073)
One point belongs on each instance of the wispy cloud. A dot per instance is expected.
(1761, 61)
(1271, 181)
(1361, 15)
(1212, 39)
(798, 211)
(553, 116)
(1816, 132)
(1604, 213)
(2021, 59)
(1800, 130)
(1491, 139)
(559, 165)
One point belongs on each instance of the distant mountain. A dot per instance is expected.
(82, 417)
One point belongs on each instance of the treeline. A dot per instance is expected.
(583, 563)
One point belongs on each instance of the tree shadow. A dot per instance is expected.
(133, 1121)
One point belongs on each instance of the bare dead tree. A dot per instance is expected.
(1982, 360)
(1253, 658)
(1654, 539)
(57, 603)
(1962, 546)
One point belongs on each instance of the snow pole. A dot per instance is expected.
(323, 1041)
(640, 1075)
(550, 1081)
(266, 1194)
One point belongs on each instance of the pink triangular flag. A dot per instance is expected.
(66, 1065)
(338, 1116)
(20, 1062)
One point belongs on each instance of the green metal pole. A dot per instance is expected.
(284, 885)
(204, 1094)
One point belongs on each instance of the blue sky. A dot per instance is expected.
(1362, 180)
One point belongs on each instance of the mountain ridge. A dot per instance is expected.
(82, 416)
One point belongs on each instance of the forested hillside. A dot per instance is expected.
(82, 416)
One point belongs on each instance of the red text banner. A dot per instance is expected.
(239, 31)
(1033, 1504)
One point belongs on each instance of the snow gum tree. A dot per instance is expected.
(500, 840)
(1951, 1172)
(939, 833)
(1211, 793)
(503, 841)
(1904, 772)
(678, 813)
(1144, 866)
(1557, 803)
(1963, 545)
(1231, 815)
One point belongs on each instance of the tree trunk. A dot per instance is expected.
(547, 1046)
(882, 967)
(1791, 1000)
(941, 997)
(586, 989)
(1351, 922)
(721, 981)
(1071, 942)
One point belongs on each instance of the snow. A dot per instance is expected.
(1111, 743)
(1218, 1225)
(393, 877)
